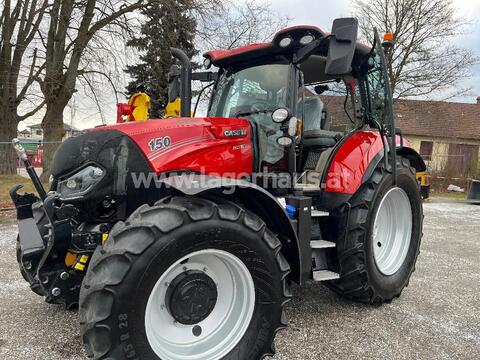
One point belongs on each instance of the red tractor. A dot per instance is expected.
(179, 238)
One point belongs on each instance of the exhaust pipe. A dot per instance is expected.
(185, 82)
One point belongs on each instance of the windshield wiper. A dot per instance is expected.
(246, 113)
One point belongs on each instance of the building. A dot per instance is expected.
(25, 134)
(446, 134)
(35, 132)
(32, 138)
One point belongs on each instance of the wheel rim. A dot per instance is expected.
(221, 330)
(392, 231)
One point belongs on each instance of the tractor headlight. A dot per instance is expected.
(207, 63)
(285, 42)
(307, 39)
(285, 141)
(80, 182)
(280, 115)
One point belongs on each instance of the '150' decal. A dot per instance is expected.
(159, 143)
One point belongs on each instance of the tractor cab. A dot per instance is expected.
(281, 87)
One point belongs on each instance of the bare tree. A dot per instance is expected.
(424, 60)
(239, 23)
(19, 67)
(232, 25)
(73, 24)
(101, 76)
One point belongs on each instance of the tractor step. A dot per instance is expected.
(307, 187)
(324, 275)
(321, 244)
(319, 213)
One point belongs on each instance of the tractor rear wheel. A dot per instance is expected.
(41, 220)
(382, 242)
(186, 278)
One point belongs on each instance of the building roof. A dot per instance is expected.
(423, 117)
(66, 127)
(439, 119)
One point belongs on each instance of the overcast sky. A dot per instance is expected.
(322, 13)
(313, 12)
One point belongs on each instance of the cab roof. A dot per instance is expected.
(263, 51)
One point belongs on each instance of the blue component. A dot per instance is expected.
(291, 211)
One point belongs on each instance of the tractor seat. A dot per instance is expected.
(316, 125)
(318, 138)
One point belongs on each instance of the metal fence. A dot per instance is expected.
(445, 170)
(453, 166)
(35, 153)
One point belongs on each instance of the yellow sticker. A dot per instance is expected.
(104, 238)
(79, 266)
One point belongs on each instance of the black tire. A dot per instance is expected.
(360, 278)
(41, 220)
(124, 271)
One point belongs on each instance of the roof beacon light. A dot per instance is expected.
(306, 39)
(388, 39)
(286, 42)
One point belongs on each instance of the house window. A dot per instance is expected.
(426, 150)
(38, 132)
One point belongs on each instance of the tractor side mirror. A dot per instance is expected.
(342, 46)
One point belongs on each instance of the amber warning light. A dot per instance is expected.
(388, 39)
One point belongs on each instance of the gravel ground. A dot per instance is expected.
(437, 316)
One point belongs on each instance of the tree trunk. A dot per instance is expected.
(53, 133)
(8, 131)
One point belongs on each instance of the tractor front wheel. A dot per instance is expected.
(185, 279)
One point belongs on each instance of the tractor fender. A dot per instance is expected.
(355, 160)
(350, 162)
(255, 199)
(407, 152)
(414, 157)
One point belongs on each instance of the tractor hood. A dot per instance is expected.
(218, 146)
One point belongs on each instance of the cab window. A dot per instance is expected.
(378, 90)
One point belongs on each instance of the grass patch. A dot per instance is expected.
(8, 217)
(7, 181)
(449, 195)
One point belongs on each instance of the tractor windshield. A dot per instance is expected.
(254, 93)
(258, 89)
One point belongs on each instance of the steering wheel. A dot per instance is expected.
(263, 106)
(260, 106)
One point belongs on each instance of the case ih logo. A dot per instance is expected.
(235, 133)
